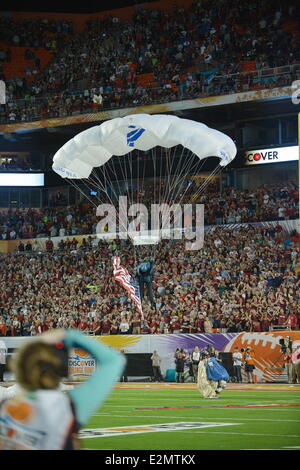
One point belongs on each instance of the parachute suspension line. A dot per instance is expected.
(183, 169)
(189, 170)
(160, 190)
(174, 183)
(97, 183)
(190, 165)
(165, 183)
(143, 191)
(108, 181)
(181, 172)
(165, 159)
(154, 188)
(105, 170)
(123, 169)
(161, 179)
(129, 183)
(207, 181)
(138, 180)
(112, 162)
(167, 162)
(78, 188)
(153, 154)
(169, 158)
(94, 178)
(136, 191)
(130, 189)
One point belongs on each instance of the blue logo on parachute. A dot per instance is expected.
(134, 135)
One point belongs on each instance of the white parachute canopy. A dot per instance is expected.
(119, 136)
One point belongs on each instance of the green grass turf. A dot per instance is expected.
(255, 428)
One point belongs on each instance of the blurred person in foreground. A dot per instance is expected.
(13, 390)
(42, 417)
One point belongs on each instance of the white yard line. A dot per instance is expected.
(291, 447)
(197, 417)
(197, 398)
(242, 433)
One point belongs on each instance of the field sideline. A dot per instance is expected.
(169, 416)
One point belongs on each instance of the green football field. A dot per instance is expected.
(175, 417)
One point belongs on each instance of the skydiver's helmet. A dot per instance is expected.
(145, 267)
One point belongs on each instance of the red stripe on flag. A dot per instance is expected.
(122, 276)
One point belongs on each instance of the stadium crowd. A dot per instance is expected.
(243, 279)
(34, 32)
(200, 51)
(271, 202)
(12, 163)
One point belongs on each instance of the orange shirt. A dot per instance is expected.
(250, 360)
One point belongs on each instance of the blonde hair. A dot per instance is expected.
(36, 366)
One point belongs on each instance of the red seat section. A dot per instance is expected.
(18, 64)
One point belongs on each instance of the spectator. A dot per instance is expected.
(49, 245)
(40, 282)
(215, 53)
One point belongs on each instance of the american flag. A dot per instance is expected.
(122, 276)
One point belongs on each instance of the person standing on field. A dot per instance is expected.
(288, 364)
(156, 361)
(195, 362)
(295, 363)
(237, 364)
(180, 357)
(249, 364)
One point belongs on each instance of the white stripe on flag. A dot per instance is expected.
(122, 276)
